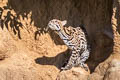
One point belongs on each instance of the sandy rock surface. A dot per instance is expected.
(28, 52)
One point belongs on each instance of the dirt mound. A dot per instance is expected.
(28, 52)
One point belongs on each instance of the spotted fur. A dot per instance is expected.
(76, 41)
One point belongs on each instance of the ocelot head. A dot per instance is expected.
(56, 25)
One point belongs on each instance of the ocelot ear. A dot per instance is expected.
(64, 22)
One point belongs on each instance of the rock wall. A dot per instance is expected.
(31, 51)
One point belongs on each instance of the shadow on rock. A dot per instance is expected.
(10, 20)
(57, 61)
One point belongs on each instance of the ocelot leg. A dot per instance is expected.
(71, 61)
(81, 60)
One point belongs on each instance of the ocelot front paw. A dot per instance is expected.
(85, 67)
(65, 68)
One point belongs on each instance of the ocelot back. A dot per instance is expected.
(75, 39)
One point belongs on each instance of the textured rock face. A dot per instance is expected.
(113, 72)
(28, 52)
(73, 74)
(19, 67)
